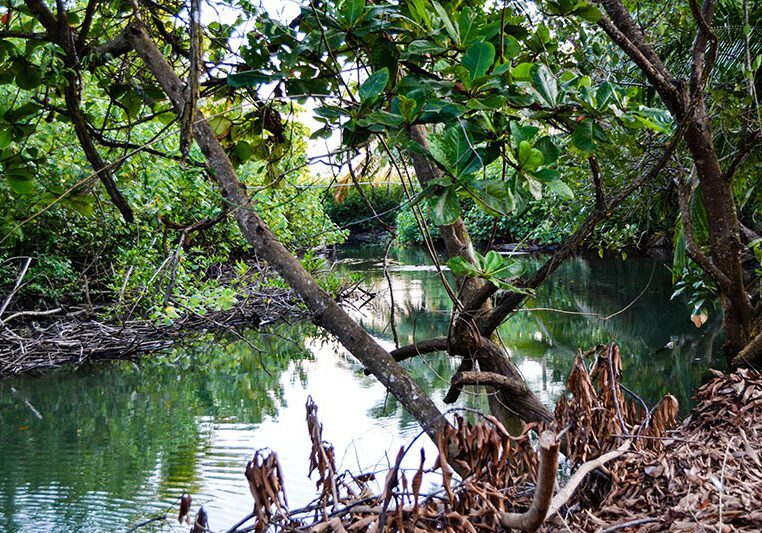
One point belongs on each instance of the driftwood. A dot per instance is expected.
(74, 339)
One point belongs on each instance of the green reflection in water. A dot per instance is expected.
(586, 302)
(117, 443)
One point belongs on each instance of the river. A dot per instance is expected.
(109, 445)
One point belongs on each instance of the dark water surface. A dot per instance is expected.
(105, 447)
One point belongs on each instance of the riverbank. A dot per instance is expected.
(624, 468)
(42, 343)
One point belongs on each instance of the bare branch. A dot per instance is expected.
(512, 386)
(84, 28)
(751, 354)
(25, 35)
(567, 492)
(702, 61)
(543, 492)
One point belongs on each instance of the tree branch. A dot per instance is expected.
(747, 147)
(84, 28)
(437, 344)
(511, 301)
(702, 62)
(512, 386)
(567, 492)
(543, 492)
(41, 12)
(695, 253)
(625, 33)
(466, 365)
(751, 355)
(25, 35)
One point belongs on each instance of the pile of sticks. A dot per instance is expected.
(46, 342)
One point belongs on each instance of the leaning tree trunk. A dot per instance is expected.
(325, 311)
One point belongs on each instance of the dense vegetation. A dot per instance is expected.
(145, 143)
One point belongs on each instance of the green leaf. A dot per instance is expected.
(29, 78)
(382, 117)
(467, 27)
(444, 208)
(221, 125)
(588, 12)
(250, 78)
(478, 59)
(6, 136)
(494, 197)
(422, 47)
(546, 175)
(582, 136)
(20, 180)
(522, 71)
(529, 158)
(545, 84)
(374, 85)
(445, 17)
(548, 148)
(351, 11)
(243, 150)
(21, 112)
(460, 267)
(81, 204)
(604, 94)
(561, 189)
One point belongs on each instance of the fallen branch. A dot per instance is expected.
(546, 482)
(567, 492)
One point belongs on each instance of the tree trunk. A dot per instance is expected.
(724, 233)
(474, 348)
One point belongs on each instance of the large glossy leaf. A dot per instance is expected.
(548, 148)
(351, 11)
(444, 207)
(20, 179)
(460, 267)
(423, 47)
(250, 78)
(561, 189)
(374, 85)
(382, 117)
(494, 197)
(588, 12)
(445, 17)
(545, 84)
(478, 59)
(582, 136)
(29, 78)
(6, 136)
(529, 158)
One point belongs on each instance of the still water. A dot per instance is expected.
(108, 446)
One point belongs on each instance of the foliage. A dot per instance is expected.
(354, 214)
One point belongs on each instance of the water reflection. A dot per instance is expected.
(117, 444)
